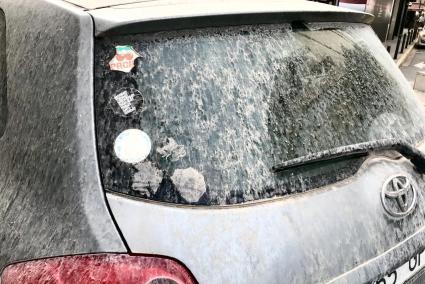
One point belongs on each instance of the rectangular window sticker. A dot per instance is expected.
(125, 102)
(124, 58)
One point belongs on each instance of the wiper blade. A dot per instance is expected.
(416, 157)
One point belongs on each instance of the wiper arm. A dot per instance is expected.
(416, 157)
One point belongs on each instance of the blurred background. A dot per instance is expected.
(399, 25)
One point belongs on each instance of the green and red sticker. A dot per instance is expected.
(124, 58)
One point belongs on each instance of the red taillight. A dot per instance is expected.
(98, 268)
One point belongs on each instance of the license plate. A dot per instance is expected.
(405, 271)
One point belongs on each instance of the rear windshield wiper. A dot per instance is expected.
(416, 157)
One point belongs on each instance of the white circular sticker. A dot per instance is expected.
(132, 146)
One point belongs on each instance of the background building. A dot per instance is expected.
(392, 17)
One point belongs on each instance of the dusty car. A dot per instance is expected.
(421, 38)
(205, 141)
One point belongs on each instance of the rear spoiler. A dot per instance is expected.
(153, 16)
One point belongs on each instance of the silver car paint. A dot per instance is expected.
(51, 174)
(310, 238)
(170, 15)
(51, 199)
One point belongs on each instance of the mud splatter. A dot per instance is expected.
(171, 150)
(147, 179)
(190, 183)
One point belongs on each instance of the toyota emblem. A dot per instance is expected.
(398, 196)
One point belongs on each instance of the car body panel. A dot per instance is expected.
(51, 199)
(96, 4)
(313, 237)
(165, 15)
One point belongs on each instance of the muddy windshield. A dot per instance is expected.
(200, 116)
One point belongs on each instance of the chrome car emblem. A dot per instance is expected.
(398, 196)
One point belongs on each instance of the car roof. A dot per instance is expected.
(96, 4)
(131, 16)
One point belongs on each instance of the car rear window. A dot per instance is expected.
(204, 114)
